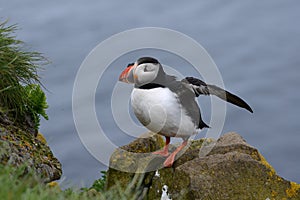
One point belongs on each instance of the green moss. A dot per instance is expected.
(267, 165)
(231, 170)
(18, 147)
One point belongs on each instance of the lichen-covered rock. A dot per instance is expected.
(228, 168)
(18, 147)
(132, 160)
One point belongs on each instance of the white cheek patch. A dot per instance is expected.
(142, 76)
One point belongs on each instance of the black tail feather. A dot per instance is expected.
(202, 124)
(229, 97)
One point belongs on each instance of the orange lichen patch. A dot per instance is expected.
(27, 144)
(255, 155)
(265, 163)
(293, 190)
(53, 184)
(279, 178)
(41, 138)
(274, 193)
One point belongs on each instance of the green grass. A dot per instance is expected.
(15, 185)
(18, 75)
(98, 185)
(18, 183)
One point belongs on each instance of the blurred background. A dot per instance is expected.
(255, 45)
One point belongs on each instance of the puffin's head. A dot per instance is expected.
(145, 70)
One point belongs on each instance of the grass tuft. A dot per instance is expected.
(18, 72)
(15, 183)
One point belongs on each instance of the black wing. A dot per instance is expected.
(199, 87)
(187, 100)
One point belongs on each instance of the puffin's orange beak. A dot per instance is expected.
(127, 75)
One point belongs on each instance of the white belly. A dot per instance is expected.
(160, 111)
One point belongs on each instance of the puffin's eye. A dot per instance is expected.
(148, 68)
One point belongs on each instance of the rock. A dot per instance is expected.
(127, 161)
(228, 168)
(22, 148)
(26, 124)
(92, 193)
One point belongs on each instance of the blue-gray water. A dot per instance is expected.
(255, 44)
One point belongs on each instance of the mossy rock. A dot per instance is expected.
(228, 168)
(19, 147)
(132, 160)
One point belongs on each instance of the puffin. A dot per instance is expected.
(167, 106)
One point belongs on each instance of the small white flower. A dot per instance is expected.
(157, 173)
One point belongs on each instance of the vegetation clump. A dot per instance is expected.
(22, 183)
(21, 98)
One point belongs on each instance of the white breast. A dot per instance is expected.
(160, 111)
